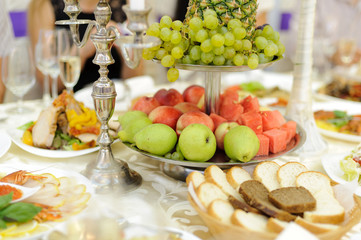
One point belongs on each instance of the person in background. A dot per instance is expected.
(42, 14)
(6, 41)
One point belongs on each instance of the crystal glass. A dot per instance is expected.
(47, 61)
(18, 73)
(69, 59)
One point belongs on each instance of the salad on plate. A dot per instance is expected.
(351, 165)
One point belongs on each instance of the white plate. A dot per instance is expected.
(16, 135)
(331, 164)
(76, 177)
(5, 143)
(351, 109)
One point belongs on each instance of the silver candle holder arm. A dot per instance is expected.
(106, 173)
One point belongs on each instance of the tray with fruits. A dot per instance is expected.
(172, 127)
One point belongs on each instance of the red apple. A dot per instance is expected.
(221, 131)
(146, 104)
(170, 97)
(194, 117)
(193, 93)
(166, 115)
(217, 120)
(186, 107)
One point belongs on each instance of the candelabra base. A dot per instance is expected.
(117, 178)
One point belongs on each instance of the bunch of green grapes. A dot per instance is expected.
(208, 42)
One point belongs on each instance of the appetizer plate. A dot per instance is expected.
(5, 143)
(351, 109)
(331, 164)
(16, 135)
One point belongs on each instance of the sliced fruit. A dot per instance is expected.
(22, 229)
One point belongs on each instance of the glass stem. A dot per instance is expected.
(54, 87)
(20, 104)
(46, 92)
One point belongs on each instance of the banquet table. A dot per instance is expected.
(160, 200)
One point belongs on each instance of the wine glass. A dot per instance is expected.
(69, 59)
(47, 61)
(18, 73)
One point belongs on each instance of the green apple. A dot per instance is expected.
(130, 116)
(241, 143)
(127, 134)
(156, 138)
(197, 143)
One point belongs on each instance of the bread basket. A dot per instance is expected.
(221, 231)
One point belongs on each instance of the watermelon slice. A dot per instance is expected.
(250, 104)
(290, 127)
(217, 120)
(277, 140)
(263, 145)
(252, 120)
(231, 108)
(272, 119)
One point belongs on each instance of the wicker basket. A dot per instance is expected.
(223, 231)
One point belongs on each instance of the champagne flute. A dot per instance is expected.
(18, 73)
(47, 61)
(69, 60)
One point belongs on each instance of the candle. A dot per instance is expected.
(137, 5)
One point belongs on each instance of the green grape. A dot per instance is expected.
(172, 74)
(253, 61)
(281, 49)
(222, 30)
(192, 35)
(206, 46)
(234, 23)
(258, 32)
(195, 53)
(217, 40)
(165, 22)
(247, 45)
(155, 48)
(177, 52)
(201, 35)
(176, 37)
(196, 24)
(229, 62)
(165, 34)
(207, 58)
(209, 12)
(148, 54)
(263, 58)
(275, 37)
(267, 31)
(219, 60)
(161, 53)
(218, 50)
(229, 52)
(153, 31)
(245, 59)
(167, 61)
(168, 46)
(211, 22)
(177, 25)
(261, 42)
(238, 59)
(239, 33)
(270, 50)
(155, 25)
(213, 32)
(187, 60)
(229, 39)
(238, 45)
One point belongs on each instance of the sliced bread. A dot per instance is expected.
(266, 173)
(221, 210)
(287, 173)
(292, 199)
(256, 195)
(314, 182)
(208, 192)
(275, 225)
(196, 178)
(242, 205)
(236, 176)
(316, 228)
(250, 221)
(216, 176)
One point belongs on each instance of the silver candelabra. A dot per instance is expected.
(106, 173)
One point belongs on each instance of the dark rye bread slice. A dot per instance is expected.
(292, 199)
(256, 195)
(242, 205)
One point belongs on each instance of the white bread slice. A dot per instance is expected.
(316, 228)
(250, 221)
(266, 173)
(275, 225)
(314, 182)
(287, 173)
(208, 192)
(216, 176)
(221, 209)
(196, 178)
(236, 176)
